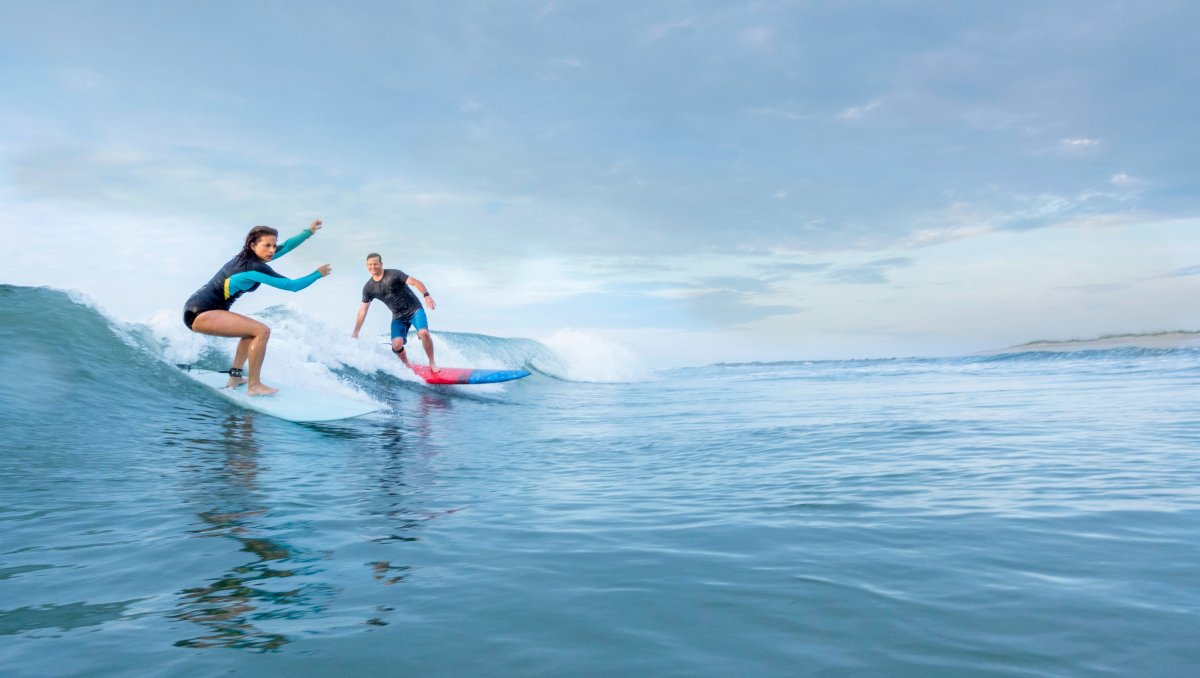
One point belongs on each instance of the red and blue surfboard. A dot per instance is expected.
(465, 375)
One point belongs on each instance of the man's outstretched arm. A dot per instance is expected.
(362, 315)
(423, 290)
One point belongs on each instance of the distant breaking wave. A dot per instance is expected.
(1082, 353)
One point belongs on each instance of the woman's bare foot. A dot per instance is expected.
(234, 382)
(261, 389)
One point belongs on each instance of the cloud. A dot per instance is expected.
(1130, 219)
(1089, 208)
(663, 30)
(745, 158)
(754, 37)
(859, 112)
(929, 237)
(679, 292)
(726, 309)
(786, 267)
(793, 113)
(873, 273)
(1098, 288)
(1184, 272)
(738, 284)
(1078, 144)
(683, 287)
(1123, 180)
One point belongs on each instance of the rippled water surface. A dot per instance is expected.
(1026, 515)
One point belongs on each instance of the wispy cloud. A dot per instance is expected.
(787, 267)
(1185, 272)
(1098, 288)
(736, 284)
(756, 36)
(679, 292)
(663, 30)
(928, 237)
(724, 309)
(859, 112)
(782, 112)
(872, 273)
(1078, 144)
(1123, 180)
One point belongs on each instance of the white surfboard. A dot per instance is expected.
(293, 403)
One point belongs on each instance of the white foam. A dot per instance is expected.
(177, 343)
(302, 351)
(588, 358)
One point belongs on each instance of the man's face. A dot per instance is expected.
(374, 266)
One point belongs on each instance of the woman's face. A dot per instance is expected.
(264, 247)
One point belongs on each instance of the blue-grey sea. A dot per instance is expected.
(1025, 514)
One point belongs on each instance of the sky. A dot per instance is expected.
(697, 181)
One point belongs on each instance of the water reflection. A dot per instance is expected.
(236, 608)
(406, 448)
(387, 573)
(277, 589)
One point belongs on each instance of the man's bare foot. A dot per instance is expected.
(234, 382)
(261, 390)
(433, 367)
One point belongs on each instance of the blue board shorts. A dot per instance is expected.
(400, 327)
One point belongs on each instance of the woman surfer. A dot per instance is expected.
(207, 311)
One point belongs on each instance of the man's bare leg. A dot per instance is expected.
(398, 349)
(427, 343)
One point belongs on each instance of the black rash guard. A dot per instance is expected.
(241, 274)
(392, 290)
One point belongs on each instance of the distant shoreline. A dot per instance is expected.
(1176, 339)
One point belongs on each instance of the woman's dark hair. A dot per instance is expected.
(254, 236)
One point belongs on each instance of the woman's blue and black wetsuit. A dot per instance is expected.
(241, 274)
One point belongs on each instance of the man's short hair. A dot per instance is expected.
(374, 255)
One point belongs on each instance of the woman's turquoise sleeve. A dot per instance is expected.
(244, 281)
(292, 243)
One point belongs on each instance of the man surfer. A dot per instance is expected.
(390, 286)
(207, 311)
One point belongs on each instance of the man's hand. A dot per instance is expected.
(430, 302)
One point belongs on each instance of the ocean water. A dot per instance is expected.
(1029, 514)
